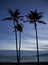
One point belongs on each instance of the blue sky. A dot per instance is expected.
(7, 38)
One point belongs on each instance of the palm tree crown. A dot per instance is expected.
(18, 27)
(35, 17)
(15, 16)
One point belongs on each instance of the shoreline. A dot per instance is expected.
(24, 63)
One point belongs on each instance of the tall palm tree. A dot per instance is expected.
(15, 16)
(34, 17)
(19, 28)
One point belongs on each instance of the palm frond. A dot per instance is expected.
(10, 12)
(17, 12)
(40, 13)
(31, 12)
(41, 22)
(8, 18)
(35, 11)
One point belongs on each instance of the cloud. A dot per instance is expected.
(7, 46)
(31, 44)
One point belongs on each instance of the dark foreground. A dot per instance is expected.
(29, 63)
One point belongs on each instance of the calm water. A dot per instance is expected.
(26, 56)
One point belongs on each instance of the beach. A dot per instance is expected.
(26, 63)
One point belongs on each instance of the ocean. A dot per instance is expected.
(26, 56)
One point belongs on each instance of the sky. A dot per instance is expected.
(7, 36)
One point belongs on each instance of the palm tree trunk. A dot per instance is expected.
(16, 43)
(16, 46)
(37, 45)
(19, 46)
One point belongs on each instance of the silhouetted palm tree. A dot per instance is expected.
(15, 16)
(19, 28)
(34, 17)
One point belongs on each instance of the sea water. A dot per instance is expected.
(26, 56)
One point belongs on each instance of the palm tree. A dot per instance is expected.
(19, 28)
(34, 17)
(15, 16)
